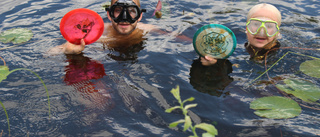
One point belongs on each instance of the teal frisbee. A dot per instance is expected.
(214, 40)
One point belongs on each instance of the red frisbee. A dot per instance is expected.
(81, 24)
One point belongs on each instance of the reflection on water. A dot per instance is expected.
(83, 74)
(211, 79)
(108, 92)
(125, 54)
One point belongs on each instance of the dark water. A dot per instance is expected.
(128, 94)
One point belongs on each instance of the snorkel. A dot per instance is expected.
(125, 11)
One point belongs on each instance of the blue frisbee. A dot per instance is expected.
(214, 40)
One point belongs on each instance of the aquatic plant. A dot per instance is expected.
(307, 67)
(16, 35)
(211, 130)
(4, 72)
(106, 5)
(5, 111)
(311, 68)
(276, 107)
(300, 88)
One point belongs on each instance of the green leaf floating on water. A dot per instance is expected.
(311, 68)
(16, 35)
(275, 107)
(106, 5)
(302, 89)
(4, 72)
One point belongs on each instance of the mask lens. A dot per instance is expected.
(117, 10)
(133, 12)
(271, 28)
(253, 26)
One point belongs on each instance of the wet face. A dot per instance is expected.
(260, 40)
(124, 28)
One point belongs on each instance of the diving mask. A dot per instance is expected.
(254, 25)
(125, 11)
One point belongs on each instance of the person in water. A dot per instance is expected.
(210, 75)
(125, 29)
(262, 30)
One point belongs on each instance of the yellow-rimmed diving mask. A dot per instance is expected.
(254, 25)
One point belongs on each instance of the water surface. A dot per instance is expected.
(131, 92)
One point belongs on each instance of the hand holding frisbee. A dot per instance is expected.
(81, 24)
(214, 40)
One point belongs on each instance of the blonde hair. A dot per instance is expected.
(135, 1)
(265, 6)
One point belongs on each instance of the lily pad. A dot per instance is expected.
(276, 107)
(106, 5)
(311, 68)
(4, 72)
(16, 35)
(301, 89)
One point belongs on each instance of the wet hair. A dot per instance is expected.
(265, 6)
(136, 2)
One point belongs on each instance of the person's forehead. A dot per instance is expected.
(265, 14)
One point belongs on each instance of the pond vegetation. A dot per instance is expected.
(17, 36)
